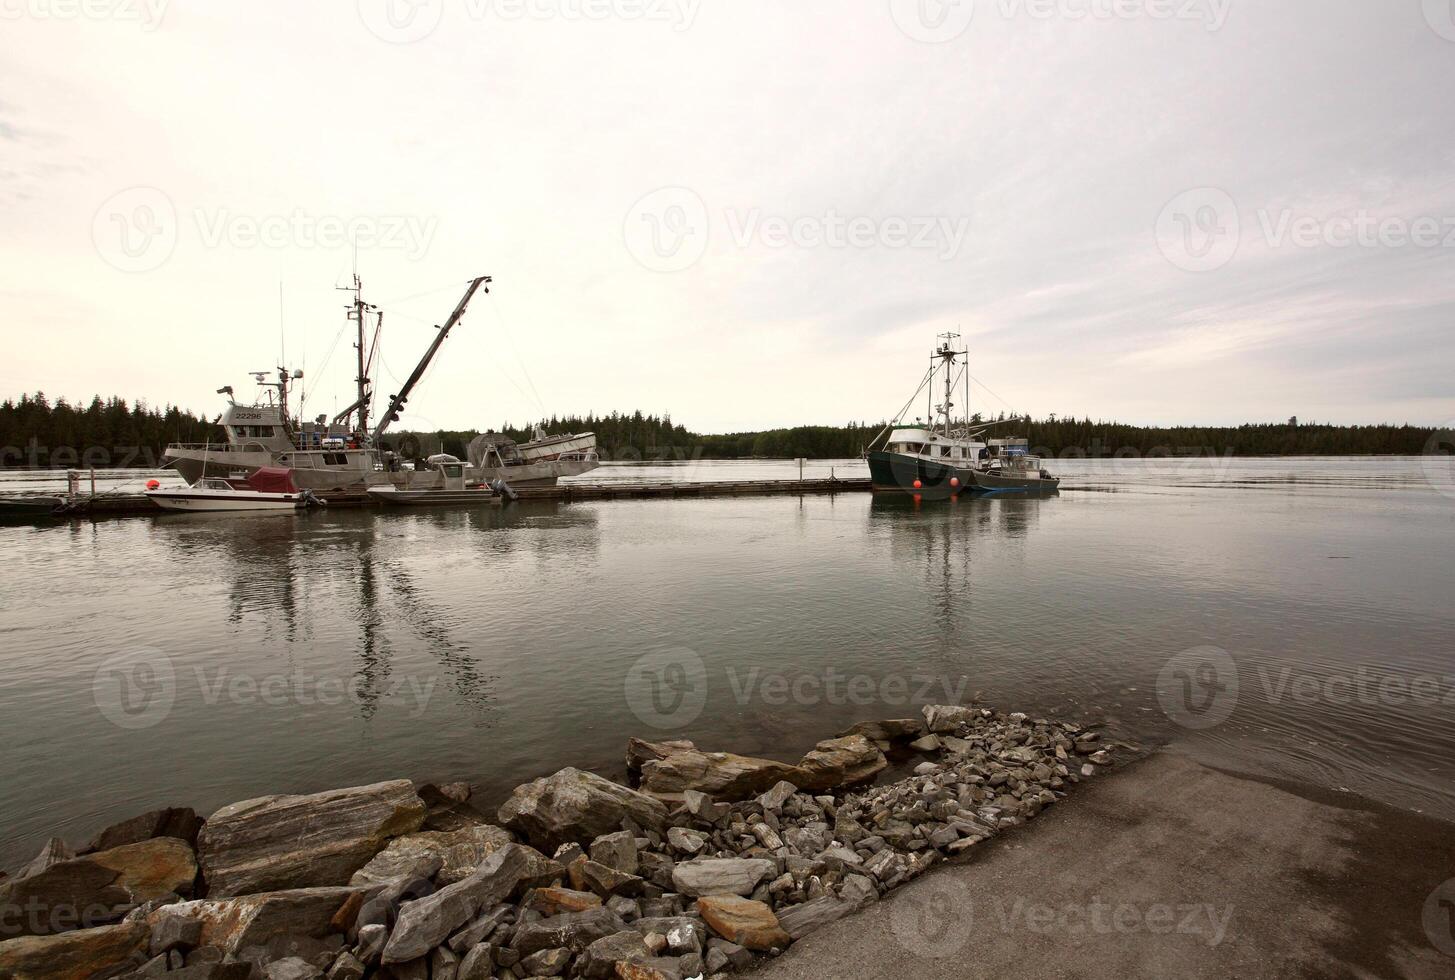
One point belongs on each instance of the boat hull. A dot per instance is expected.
(195, 465)
(203, 502)
(426, 498)
(898, 473)
(987, 481)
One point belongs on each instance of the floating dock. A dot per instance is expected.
(121, 504)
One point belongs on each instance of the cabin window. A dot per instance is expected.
(452, 470)
(253, 431)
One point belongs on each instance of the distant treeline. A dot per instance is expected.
(36, 432)
(639, 436)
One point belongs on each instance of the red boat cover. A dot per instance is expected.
(272, 479)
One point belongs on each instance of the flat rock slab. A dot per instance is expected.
(182, 823)
(574, 805)
(721, 775)
(233, 924)
(78, 955)
(98, 889)
(799, 920)
(842, 762)
(721, 876)
(283, 842)
(750, 924)
(460, 852)
(570, 930)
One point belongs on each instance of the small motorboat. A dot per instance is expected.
(30, 508)
(1014, 472)
(269, 488)
(449, 488)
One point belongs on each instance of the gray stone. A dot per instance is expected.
(721, 876)
(371, 943)
(443, 964)
(426, 923)
(479, 930)
(291, 968)
(686, 841)
(544, 963)
(281, 842)
(942, 718)
(930, 743)
(476, 964)
(779, 794)
(96, 889)
(684, 934)
(841, 762)
(799, 920)
(858, 891)
(617, 851)
(598, 960)
(459, 852)
(175, 932)
(346, 967)
(571, 930)
(575, 805)
(179, 822)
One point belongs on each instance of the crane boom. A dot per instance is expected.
(396, 402)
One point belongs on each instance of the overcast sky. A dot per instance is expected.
(748, 214)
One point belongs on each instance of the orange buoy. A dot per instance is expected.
(153, 484)
(917, 484)
(954, 481)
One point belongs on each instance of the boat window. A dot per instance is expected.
(452, 470)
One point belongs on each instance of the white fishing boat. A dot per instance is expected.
(267, 489)
(344, 453)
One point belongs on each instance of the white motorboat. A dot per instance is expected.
(267, 489)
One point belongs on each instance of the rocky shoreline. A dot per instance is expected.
(708, 862)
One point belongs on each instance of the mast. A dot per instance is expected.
(363, 378)
(396, 402)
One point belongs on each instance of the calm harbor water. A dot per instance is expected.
(1284, 616)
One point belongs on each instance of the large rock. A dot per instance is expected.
(573, 805)
(639, 751)
(721, 775)
(425, 923)
(750, 924)
(598, 961)
(179, 822)
(721, 876)
(234, 924)
(281, 842)
(842, 762)
(460, 852)
(85, 953)
(97, 889)
(799, 920)
(887, 730)
(945, 718)
(569, 930)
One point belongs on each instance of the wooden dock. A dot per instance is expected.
(121, 504)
